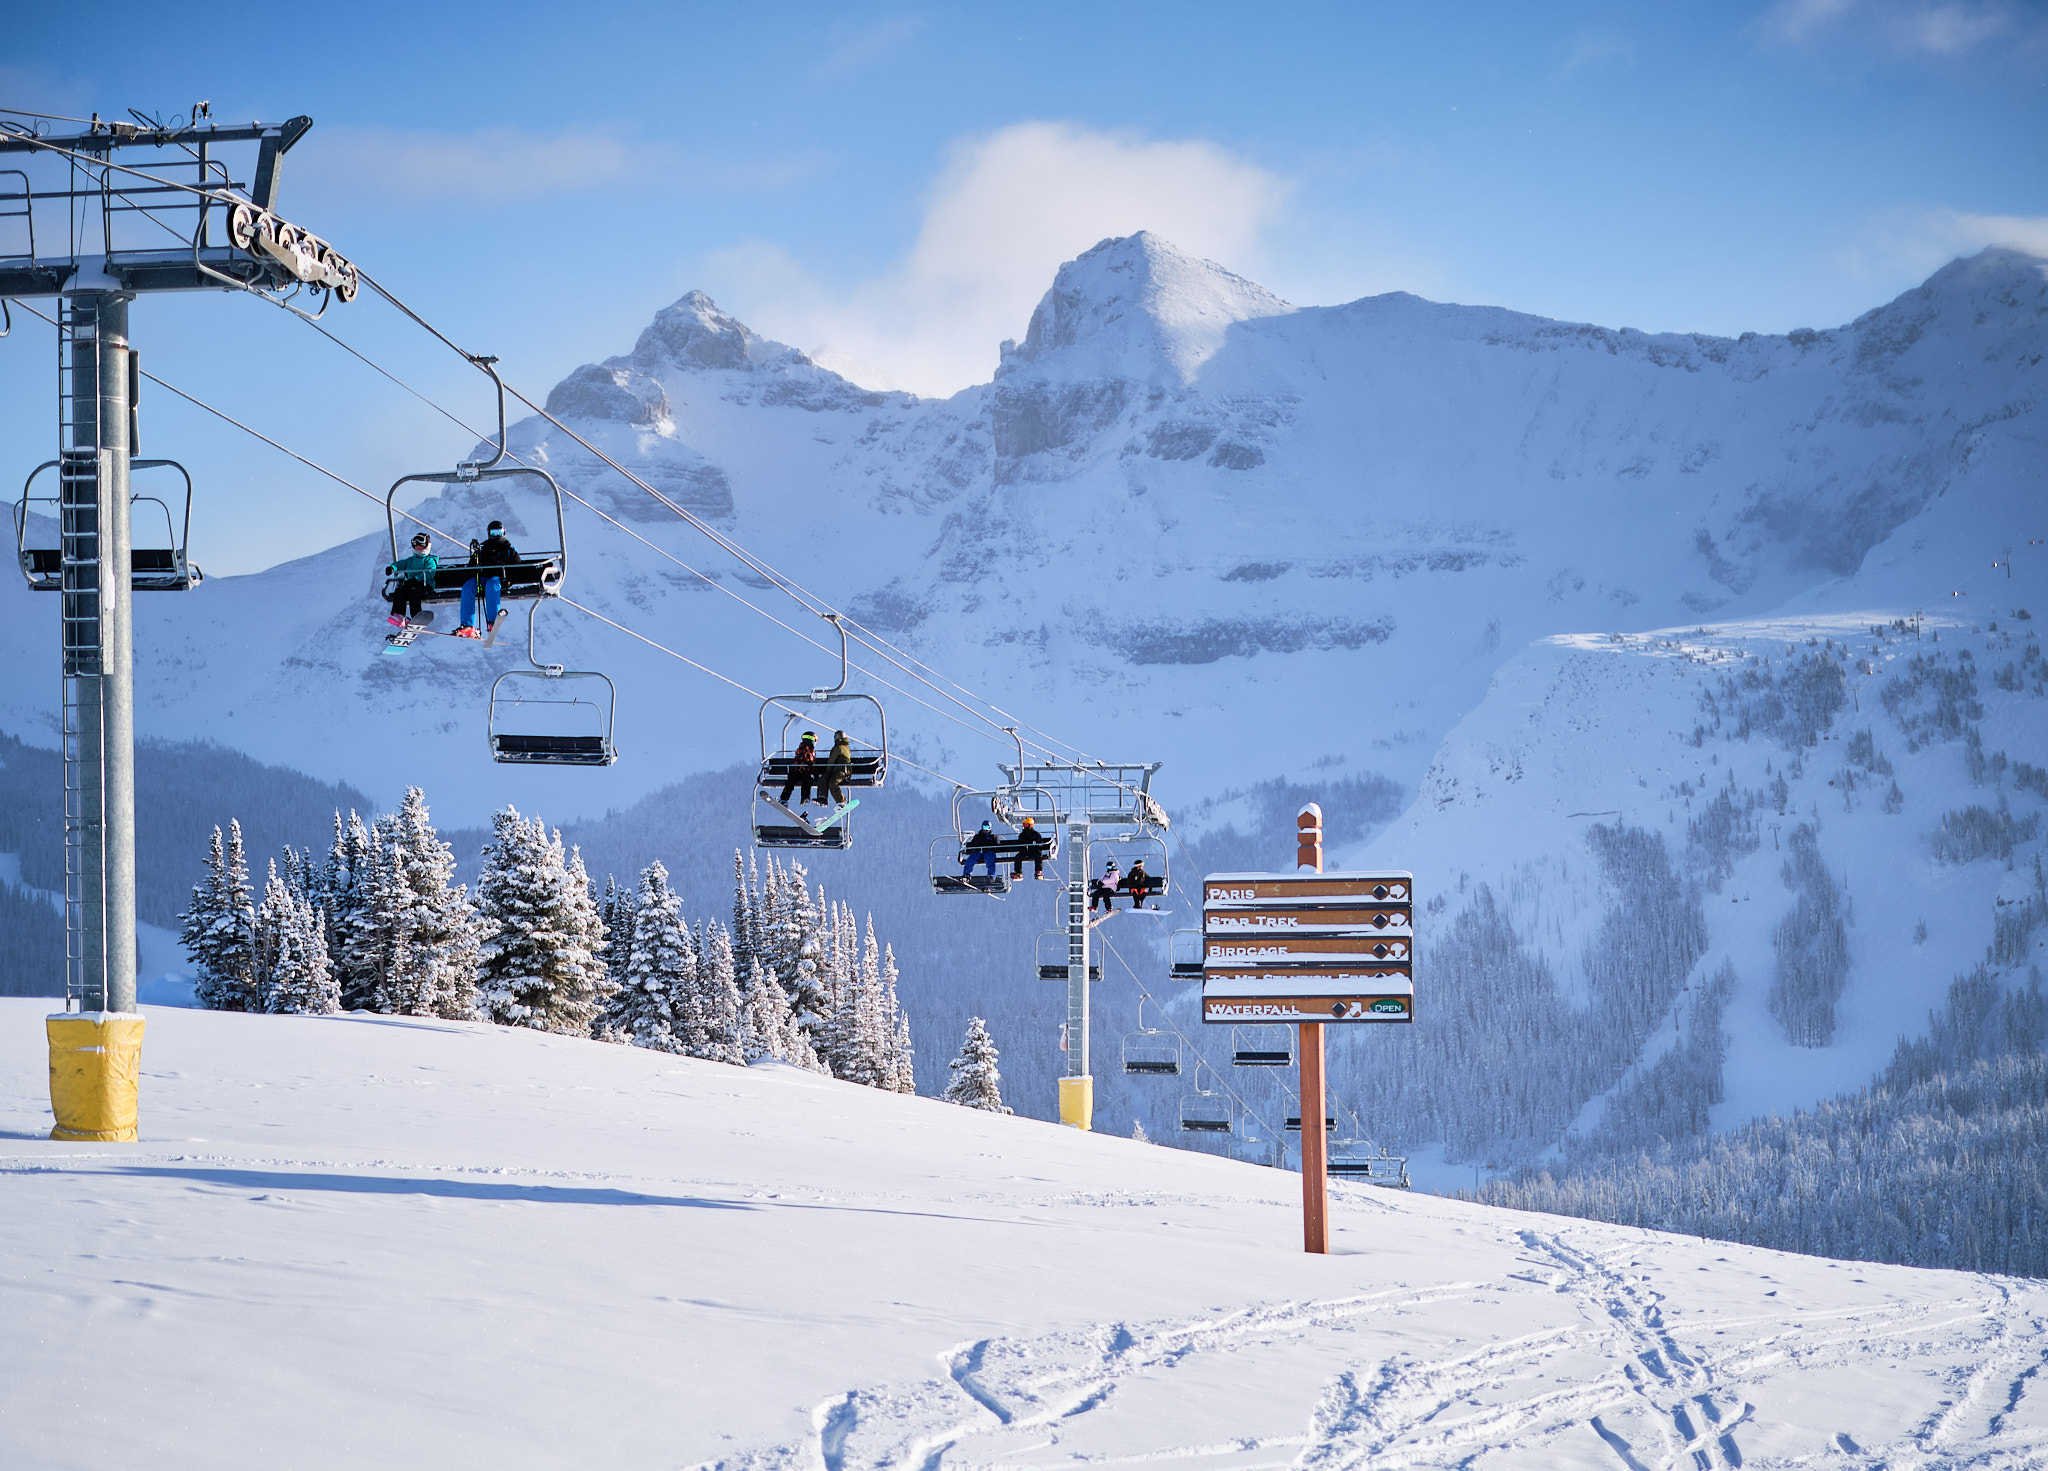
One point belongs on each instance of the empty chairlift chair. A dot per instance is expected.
(1149, 1052)
(1184, 952)
(158, 533)
(776, 823)
(1050, 951)
(1270, 1045)
(577, 707)
(1205, 1112)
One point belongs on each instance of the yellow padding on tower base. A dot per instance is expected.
(95, 1067)
(1077, 1102)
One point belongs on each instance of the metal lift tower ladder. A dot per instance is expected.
(107, 247)
(1083, 796)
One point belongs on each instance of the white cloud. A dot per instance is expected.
(1916, 246)
(491, 165)
(1944, 28)
(870, 44)
(1005, 212)
(1589, 48)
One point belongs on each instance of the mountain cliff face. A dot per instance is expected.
(1264, 544)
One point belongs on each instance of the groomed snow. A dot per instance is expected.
(368, 1241)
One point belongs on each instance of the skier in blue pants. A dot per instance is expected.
(490, 561)
(981, 848)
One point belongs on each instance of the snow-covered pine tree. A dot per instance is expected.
(899, 1072)
(746, 923)
(976, 1081)
(542, 965)
(660, 969)
(220, 928)
(437, 933)
(803, 950)
(583, 897)
(359, 934)
(291, 949)
(615, 909)
(710, 1025)
(772, 1029)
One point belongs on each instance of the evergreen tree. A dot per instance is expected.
(660, 969)
(220, 929)
(771, 1028)
(616, 911)
(710, 1025)
(542, 966)
(436, 934)
(976, 1082)
(582, 897)
(291, 951)
(364, 938)
(899, 1070)
(746, 922)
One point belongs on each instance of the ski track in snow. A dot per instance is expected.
(1662, 1399)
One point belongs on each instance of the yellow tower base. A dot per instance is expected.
(1077, 1102)
(95, 1067)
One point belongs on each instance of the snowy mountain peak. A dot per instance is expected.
(1136, 307)
(694, 333)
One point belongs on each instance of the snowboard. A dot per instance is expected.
(408, 631)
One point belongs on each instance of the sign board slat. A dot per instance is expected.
(1328, 919)
(1239, 1011)
(1293, 950)
(1256, 890)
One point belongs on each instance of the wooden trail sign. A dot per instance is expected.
(1309, 947)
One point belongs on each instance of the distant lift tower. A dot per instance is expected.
(1082, 797)
(92, 233)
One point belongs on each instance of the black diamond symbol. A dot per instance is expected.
(1379, 921)
(1379, 891)
(1380, 951)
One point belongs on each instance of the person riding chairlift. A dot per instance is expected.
(981, 848)
(415, 576)
(803, 770)
(838, 766)
(1138, 883)
(1103, 890)
(1032, 844)
(491, 560)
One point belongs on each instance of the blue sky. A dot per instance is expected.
(892, 188)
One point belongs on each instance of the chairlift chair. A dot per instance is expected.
(1050, 953)
(1203, 1111)
(535, 574)
(1184, 954)
(949, 855)
(1268, 1044)
(1354, 1157)
(1129, 849)
(156, 564)
(869, 769)
(1375, 1168)
(1149, 1051)
(587, 738)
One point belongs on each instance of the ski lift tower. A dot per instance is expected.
(93, 233)
(1082, 797)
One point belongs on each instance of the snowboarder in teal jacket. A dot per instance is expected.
(415, 576)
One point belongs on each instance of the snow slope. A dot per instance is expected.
(362, 1241)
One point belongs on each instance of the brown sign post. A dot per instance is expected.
(1309, 948)
(1315, 1141)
